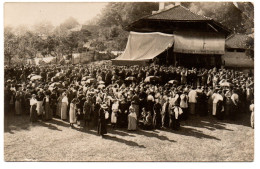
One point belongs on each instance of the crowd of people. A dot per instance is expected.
(146, 97)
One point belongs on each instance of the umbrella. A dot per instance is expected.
(91, 80)
(130, 78)
(173, 82)
(151, 79)
(101, 82)
(56, 84)
(91, 93)
(225, 84)
(51, 88)
(223, 81)
(31, 76)
(101, 86)
(59, 74)
(36, 77)
(86, 78)
(9, 80)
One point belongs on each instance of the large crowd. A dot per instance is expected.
(146, 97)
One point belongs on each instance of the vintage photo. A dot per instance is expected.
(129, 81)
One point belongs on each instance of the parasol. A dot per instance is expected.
(31, 75)
(86, 78)
(59, 74)
(130, 78)
(225, 84)
(37, 77)
(101, 82)
(83, 82)
(173, 82)
(91, 80)
(151, 79)
(101, 86)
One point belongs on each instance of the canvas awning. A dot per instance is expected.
(142, 47)
(199, 43)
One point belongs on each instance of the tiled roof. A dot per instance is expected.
(237, 41)
(176, 13)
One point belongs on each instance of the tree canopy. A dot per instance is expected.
(106, 32)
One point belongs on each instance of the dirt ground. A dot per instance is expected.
(200, 139)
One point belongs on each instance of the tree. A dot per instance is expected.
(10, 46)
(239, 20)
(123, 13)
(116, 15)
(43, 28)
(69, 24)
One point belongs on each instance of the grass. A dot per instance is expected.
(199, 139)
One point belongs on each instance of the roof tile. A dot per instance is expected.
(237, 41)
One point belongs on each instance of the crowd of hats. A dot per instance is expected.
(120, 82)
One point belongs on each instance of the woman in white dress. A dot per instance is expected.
(72, 112)
(114, 114)
(216, 97)
(132, 119)
(64, 106)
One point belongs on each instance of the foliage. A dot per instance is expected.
(238, 17)
(69, 24)
(10, 44)
(106, 32)
(114, 18)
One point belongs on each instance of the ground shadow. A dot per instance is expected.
(208, 122)
(194, 133)
(120, 140)
(49, 126)
(16, 123)
(59, 122)
(120, 132)
(87, 130)
(152, 134)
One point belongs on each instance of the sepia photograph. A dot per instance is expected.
(128, 81)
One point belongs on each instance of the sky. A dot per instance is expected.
(30, 13)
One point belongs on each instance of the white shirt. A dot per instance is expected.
(150, 97)
(33, 101)
(115, 106)
(177, 111)
(184, 104)
(252, 107)
(173, 99)
(192, 96)
(216, 97)
(65, 100)
(234, 98)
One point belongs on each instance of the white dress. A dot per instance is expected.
(114, 111)
(72, 113)
(183, 102)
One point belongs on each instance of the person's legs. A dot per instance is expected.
(163, 120)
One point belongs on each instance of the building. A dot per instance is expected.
(236, 52)
(175, 36)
